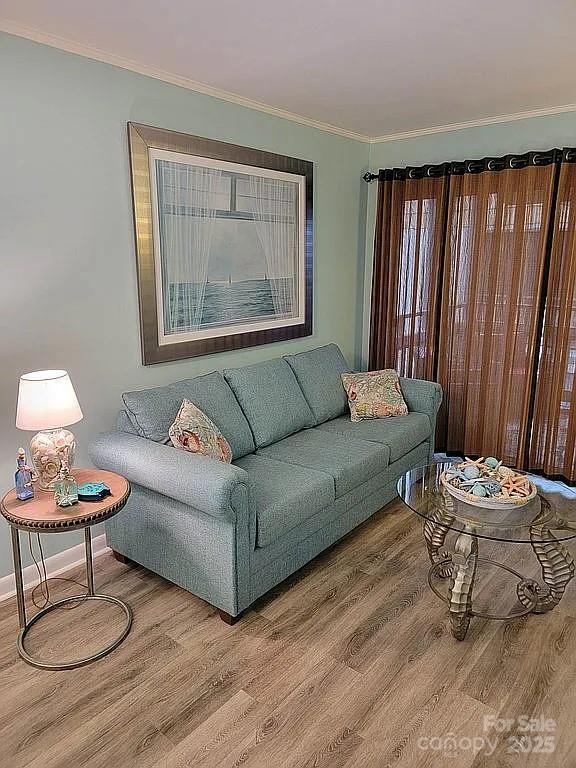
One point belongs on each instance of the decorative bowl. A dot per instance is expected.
(495, 486)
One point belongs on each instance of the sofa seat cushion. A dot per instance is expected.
(284, 495)
(271, 399)
(400, 433)
(319, 374)
(152, 411)
(349, 461)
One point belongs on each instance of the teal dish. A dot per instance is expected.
(93, 492)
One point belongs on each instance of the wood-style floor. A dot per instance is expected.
(350, 663)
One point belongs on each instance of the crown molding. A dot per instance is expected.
(473, 123)
(64, 44)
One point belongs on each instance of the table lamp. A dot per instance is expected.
(47, 402)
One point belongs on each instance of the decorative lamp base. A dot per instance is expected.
(48, 448)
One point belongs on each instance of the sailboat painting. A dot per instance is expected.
(231, 247)
(238, 289)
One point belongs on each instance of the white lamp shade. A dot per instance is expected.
(46, 400)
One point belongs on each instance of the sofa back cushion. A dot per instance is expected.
(152, 411)
(271, 400)
(319, 374)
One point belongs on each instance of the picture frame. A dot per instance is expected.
(224, 244)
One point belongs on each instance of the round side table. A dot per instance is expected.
(42, 515)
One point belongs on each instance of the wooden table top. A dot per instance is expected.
(43, 514)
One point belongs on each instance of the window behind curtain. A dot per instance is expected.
(493, 277)
(407, 269)
(484, 303)
(553, 443)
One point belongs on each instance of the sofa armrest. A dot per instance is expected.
(422, 396)
(213, 487)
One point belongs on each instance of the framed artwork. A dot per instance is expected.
(223, 243)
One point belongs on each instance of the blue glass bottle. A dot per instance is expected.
(23, 478)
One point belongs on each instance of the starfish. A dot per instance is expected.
(472, 463)
(516, 485)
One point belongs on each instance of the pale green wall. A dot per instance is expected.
(68, 284)
(498, 139)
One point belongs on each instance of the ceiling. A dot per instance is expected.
(371, 67)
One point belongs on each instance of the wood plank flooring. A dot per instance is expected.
(348, 664)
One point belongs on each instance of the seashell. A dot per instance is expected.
(50, 470)
(492, 462)
(453, 474)
(471, 472)
(493, 487)
(479, 490)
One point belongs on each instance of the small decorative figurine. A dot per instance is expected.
(23, 478)
(66, 487)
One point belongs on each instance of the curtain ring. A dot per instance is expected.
(475, 166)
(411, 173)
(490, 165)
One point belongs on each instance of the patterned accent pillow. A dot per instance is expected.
(374, 395)
(193, 431)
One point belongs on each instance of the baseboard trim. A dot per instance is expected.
(55, 565)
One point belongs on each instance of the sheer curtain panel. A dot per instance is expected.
(407, 274)
(474, 286)
(274, 204)
(187, 197)
(553, 438)
(494, 267)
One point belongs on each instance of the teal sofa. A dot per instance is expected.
(302, 476)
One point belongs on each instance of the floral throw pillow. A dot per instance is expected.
(193, 431)
(374, 395)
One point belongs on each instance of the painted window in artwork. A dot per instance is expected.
(230, 255)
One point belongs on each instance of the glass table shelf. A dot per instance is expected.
(545, 522)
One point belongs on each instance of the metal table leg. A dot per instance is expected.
(18, 576)
(26, 625)
(463, 567)
(557, 571)
(89, 564)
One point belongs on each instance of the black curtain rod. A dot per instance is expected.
(460, 167)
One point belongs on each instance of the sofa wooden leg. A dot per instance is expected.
(227, 618)
(121, 558)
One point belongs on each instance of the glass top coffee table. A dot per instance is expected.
(545, 523)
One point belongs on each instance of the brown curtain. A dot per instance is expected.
(475, 286)
(494, 266)
(409, 252)
(553, 440)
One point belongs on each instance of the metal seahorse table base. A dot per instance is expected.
(460, 568)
